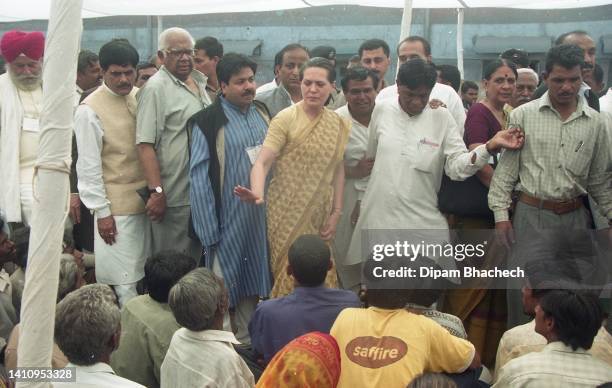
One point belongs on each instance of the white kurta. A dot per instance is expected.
(411, 153)
(122, 262)
(355, 150)
(441, 92)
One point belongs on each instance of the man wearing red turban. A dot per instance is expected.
(20, 106)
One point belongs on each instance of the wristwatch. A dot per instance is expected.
(156, 189)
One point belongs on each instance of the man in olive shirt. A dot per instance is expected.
(165, 103)
(147, 324)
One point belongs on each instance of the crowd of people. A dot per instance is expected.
(220, 234)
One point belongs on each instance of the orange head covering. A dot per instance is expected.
(309, 361)
(15, 43)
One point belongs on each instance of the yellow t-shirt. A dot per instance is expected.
(388, 348)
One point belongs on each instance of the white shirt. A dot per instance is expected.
(441, 92)
(204, 359)
(98, 375)
(265, 87)
(411, 153)
(605, 102)
(89, 133)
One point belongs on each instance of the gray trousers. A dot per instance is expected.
(562, 241)
(173, 233)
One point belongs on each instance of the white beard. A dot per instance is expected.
(28, 84)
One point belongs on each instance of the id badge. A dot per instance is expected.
(30, 124)
(253, 152)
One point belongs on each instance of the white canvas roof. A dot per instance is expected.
(39, 9)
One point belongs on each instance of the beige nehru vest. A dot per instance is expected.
(121, 169)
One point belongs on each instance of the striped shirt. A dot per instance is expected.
(560, 160)
(238, 238)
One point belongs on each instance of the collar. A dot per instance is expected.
(5, 280)
(228, 105)
(106, 88)
(302, 290)
(559, 346)
(79, 90)
(581, 108)
(584, 87)
(98, 367)
(212, 335)
(283, 90)
(196, 75)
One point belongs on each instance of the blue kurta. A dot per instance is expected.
(238, 240)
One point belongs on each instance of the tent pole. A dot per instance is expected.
(405, 26)
(460, 15)
(51, 187)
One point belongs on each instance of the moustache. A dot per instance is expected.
(249, 92)
(587, 66)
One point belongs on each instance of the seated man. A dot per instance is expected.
(87, 331)
(147, 324)
(387, 345)
(311, 306)
(8, 315)
(569, 320)
(201, 353)
(523, 339)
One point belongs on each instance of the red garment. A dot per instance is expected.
(480, 125)
(309, 361)
(15, 43)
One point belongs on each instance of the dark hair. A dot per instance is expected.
(566, 55)
(327, 52)
(163, 270)
(577, 316)
(231, 64)
(416, 72)
(309, 258)
(416, 38)
(118, 52)
(387, 293)
(563, 37)
(598, 73)
(321, 63)
(21, 239)
(519, 57)
(1, 224)
(467, 85)
(279, 57)
(211, 45)
(86, 58)
(143, 66)
(492, 67)
(358, 73)
(373, 44)
(450, 74)
(432, 380)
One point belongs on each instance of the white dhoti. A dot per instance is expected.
(123, 262)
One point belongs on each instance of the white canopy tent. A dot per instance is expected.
(39, 9)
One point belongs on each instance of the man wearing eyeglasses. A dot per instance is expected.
(165, 103)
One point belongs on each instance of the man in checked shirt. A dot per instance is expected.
(565, 157)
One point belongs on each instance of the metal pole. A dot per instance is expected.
(460, 15)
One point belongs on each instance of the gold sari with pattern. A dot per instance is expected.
(299, 197)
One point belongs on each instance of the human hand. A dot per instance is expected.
(363, 167)
(435, 104)
(505, 233)
(329, 229)
(156, 207)
(512, 138)
(75, 208)
(107, 229)
(247, 195)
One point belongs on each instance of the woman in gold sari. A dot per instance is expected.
(306, 144)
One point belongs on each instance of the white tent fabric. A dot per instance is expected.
(39, 9)
(51, 187)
